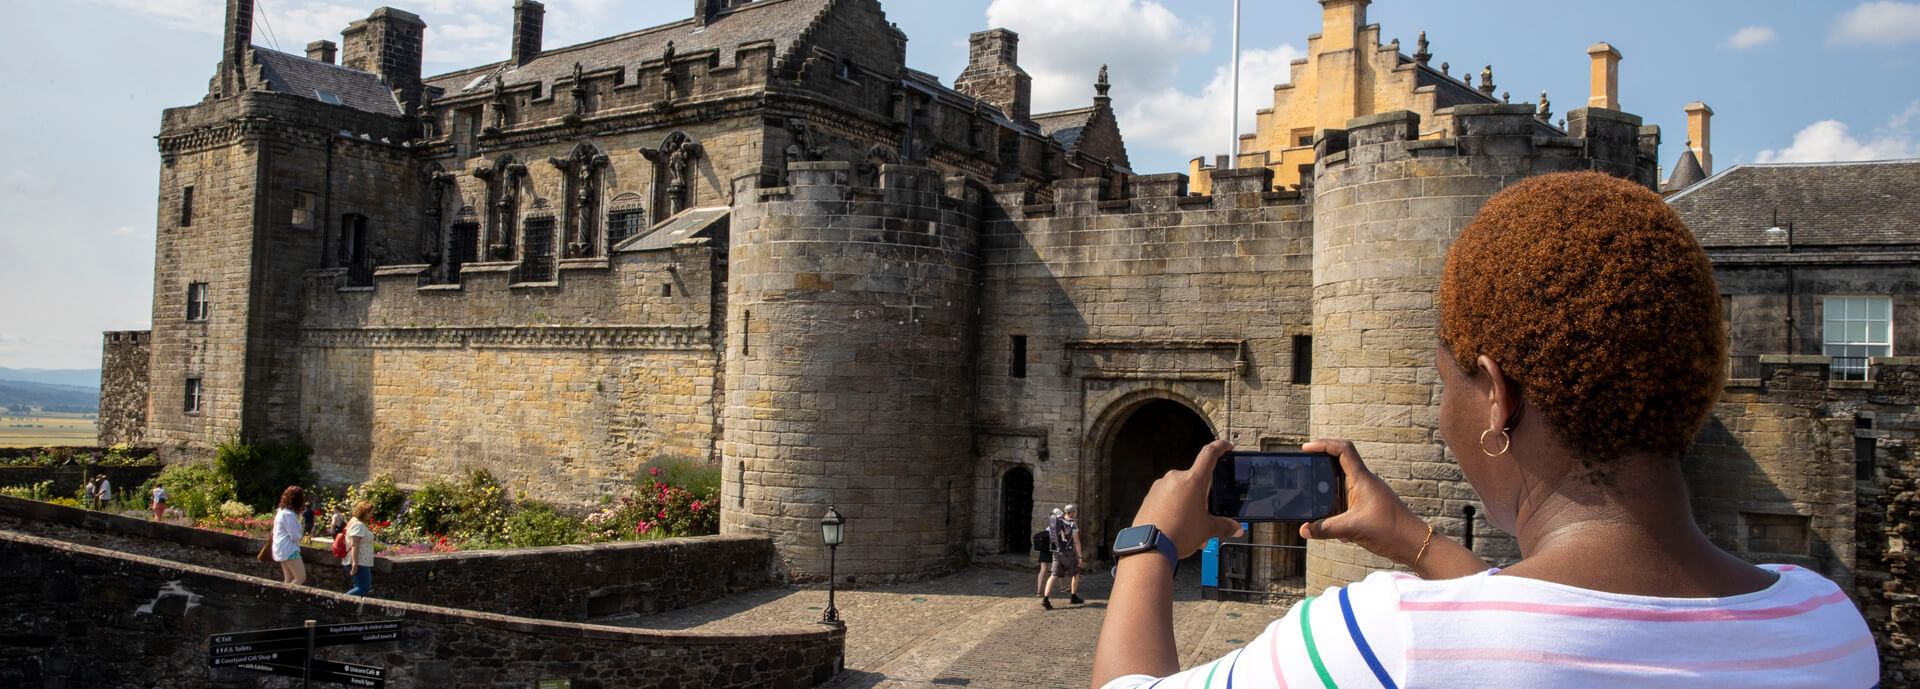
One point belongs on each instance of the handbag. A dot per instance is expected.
(266, 552)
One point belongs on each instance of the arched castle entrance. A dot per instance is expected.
(1155, 434)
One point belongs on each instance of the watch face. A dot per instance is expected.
(1134, 539)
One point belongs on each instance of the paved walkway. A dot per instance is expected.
(981, 628)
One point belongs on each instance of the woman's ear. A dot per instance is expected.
(1504, 393)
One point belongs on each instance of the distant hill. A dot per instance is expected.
(69, 398)
(76, 377)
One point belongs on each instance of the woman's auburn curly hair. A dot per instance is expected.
(1590, 292)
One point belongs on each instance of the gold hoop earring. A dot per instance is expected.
(1506, 442)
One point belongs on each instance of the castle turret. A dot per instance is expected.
(850, 348)
(1387, 205)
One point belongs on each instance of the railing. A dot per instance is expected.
(360, 274)
(1743, 367)
(1850, 368)
(1225, 564)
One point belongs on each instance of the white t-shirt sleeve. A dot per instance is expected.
(1348, 636)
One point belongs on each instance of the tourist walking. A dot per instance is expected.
(1043, 549)
(159, 503)
(287, 535)
(1065, 535)
(92, 499)
(336, 523)
(106, 491)
(360, 549)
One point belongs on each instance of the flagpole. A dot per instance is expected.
(1233, 134)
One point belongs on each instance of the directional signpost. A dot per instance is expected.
(288, 651)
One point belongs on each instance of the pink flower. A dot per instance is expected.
(655, 471)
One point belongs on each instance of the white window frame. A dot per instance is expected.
(197, 296)
(1848, 332)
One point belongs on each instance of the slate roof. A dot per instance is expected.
(1686, 173)
(300, 76)
(693, 222)
(784, 22)
(1844, 204)
(1065, 125)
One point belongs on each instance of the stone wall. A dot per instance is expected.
(850, 368)
(69, 479)
(1387, 205)
(571, 583)
(146, 621)
(1124, 297)
(123, 386)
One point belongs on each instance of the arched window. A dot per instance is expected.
(626, 217)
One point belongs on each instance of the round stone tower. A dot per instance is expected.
(849, 364)
(1386, 207)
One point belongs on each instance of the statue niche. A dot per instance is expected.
(584, 172)
(673, 168)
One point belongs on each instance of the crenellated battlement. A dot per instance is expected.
(1598, 139)
(1125, 194)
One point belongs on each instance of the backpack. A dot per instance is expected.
(340, 544)
(1041, 542)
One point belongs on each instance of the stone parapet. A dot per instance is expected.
(165, 610)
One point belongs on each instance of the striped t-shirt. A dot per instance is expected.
(1396, 630)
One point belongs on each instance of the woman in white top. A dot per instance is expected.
(1580, 352)
(287, 535)
(359, 562)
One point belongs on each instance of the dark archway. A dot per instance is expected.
(1016, 510)
(1158, 437)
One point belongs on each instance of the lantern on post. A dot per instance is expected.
(833, 531)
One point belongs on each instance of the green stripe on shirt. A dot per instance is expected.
(1313, 652)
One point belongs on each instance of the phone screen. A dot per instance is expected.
(1276, 487)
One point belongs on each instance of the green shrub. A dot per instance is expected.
(260, 472)
(538, 524)
(234, 509)
(385, 495)
(31, 491)
(697, 477)
(197, 488)
(431, 509)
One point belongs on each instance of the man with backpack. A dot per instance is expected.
(1064, 533)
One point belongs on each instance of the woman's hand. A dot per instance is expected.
(1177, 504)
(1375, 518)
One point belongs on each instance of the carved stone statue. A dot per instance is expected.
(1101, 85)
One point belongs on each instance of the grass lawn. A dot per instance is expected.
(48, 428)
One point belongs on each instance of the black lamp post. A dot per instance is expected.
(1791, 296)
(833, 530)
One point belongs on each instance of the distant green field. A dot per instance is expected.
(34, 430)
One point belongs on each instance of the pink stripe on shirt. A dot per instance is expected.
(1638, 614)
(1521, 655)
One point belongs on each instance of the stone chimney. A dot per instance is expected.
(237, 54)
(323, 51)
(1606, 77)
(1700, 132)
(529, 18)
(1340, 22)
(994, 75)
(388, 43)
(704, 10)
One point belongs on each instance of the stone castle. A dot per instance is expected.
(756, 237)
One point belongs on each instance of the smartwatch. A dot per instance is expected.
(1144, 538)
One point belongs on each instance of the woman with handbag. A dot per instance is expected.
(287, 535)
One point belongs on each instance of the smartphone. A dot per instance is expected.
(1277, 487)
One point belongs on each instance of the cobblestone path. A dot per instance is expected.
(981, 628)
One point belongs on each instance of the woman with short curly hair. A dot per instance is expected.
(1580, 352)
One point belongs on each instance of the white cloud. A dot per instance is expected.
(1064, 42)
(193, 15)
(1196, 124)
(1750, 37)
(1830, 141)
(126, 231)
(1879, 22)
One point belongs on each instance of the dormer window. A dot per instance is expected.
(328, 97)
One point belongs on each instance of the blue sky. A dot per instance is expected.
(1790, 81)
